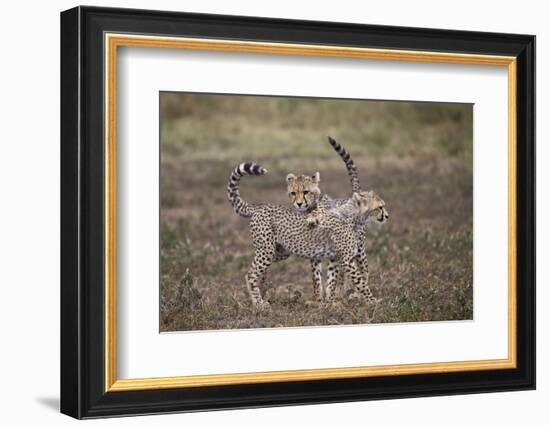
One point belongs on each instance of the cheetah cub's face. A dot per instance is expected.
(303, 191)
(371, 206)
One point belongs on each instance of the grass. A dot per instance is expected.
(417, 156)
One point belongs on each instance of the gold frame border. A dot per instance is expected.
(113, 41)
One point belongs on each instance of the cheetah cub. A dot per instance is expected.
(344, 222)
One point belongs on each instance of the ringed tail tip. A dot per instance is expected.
(251, 168)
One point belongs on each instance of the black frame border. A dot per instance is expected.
(82, 205)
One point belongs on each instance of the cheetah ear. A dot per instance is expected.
(316, 177)
(356, 197)
(290, 177)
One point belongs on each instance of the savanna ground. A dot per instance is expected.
(417, 156)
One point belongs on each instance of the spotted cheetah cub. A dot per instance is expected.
(344, 223)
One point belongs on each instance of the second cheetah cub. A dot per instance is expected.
(361, 208)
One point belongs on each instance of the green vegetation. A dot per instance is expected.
(417, 156)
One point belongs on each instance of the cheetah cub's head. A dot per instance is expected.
(370, 206)
(303, 191)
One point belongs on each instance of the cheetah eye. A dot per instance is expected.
(293, 193)
(306, 192)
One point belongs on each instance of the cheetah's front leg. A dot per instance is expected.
(363, 263)
(359, 279)
(333, 275)
(316, 269)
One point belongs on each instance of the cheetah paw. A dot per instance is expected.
(262, 306)
(312, 221)
(356, 297)
(313, 303)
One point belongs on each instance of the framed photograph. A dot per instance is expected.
(261, 212)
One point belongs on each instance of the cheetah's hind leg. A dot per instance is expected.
(256, 275)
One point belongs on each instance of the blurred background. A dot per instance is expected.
(416, 156)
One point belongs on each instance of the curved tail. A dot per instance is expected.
(241, 207)
(350, 165)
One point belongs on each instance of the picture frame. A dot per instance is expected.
(90, 40)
